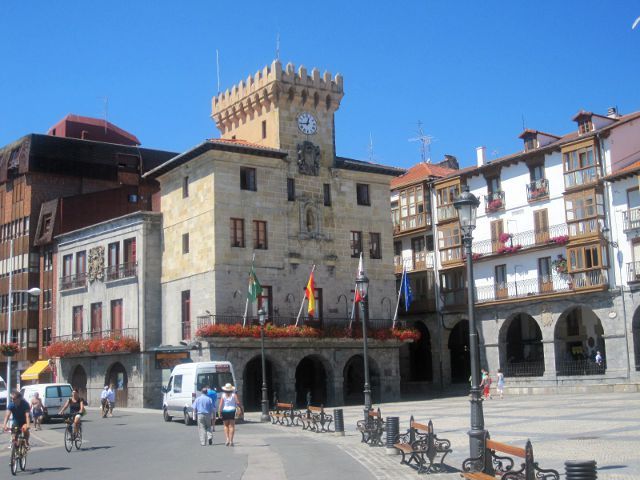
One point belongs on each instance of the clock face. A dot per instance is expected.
(307, 123)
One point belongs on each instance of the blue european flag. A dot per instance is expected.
(405, 288)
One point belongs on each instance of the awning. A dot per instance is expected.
(34, 371)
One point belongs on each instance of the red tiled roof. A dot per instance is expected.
(624, 172)
(96, 122)
(536, 132)
(419, 172)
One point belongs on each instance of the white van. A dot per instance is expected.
(185, 383)
(3, 394)
(53, 396)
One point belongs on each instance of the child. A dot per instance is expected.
(486, 383)
(500, 388)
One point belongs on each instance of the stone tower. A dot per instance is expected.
(283, 109)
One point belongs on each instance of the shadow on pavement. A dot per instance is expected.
(35, 471)
(91, 449)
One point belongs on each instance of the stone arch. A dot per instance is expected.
(316, 99)
(79, 380)
(252, 383)
(291, 94)
(460, 357)
(312, 380)
(420, 357)
(635, 329)
(353, 386)
(328, 102)
(117, 375)
(578, 335)
(520, 347)
(303, 96)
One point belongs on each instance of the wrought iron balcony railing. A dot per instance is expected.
(118, 272)
(538, 190)
(283, 321)
(633, 272)
(116, 333)
(632, 219)
(553, 235)
(70, 282)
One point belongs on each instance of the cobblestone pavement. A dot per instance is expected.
(601, 427)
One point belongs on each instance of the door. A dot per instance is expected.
(501, 281)
(634, 273)
(541, 226)
(545, 279)
(417, 251)
(497, 229)
(117, 376)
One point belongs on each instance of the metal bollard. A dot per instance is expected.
(338, 422)
(581, 470)
(393, 431)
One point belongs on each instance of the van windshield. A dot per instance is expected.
(214, 380)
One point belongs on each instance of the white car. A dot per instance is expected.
(3, 394)
(53, 396)
(185, 383)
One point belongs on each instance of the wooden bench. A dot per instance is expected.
(284, 414)
(491, 465)
(316, 419)
(371, 428)
(421, 446)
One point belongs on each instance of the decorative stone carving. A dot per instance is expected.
(308, 158)
(310, 221)
(547, 317)
(96, 264)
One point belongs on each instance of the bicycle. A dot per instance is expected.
(19, 450)
(72, 438)
(106, 408)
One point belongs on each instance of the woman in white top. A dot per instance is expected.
(227, 405)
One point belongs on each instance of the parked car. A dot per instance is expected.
(3, 394)
(53, 396)
(185, 383)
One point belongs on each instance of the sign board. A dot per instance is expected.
(224, 368)
(171, 359)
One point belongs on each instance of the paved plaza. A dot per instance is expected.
(138, 444)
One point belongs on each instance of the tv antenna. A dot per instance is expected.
(425, 143)
(218, 69)
(370, 148)
(105, 112)
(278, 46)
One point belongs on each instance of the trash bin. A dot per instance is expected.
(580, 470)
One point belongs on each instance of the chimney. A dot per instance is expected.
(481, 155)
(613, 112)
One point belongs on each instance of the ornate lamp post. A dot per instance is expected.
(262, 318)
(32, 291)
(466, 205)
(362, 284)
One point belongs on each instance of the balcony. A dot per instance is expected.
(632, 219)
(450, 255)
(118, 272)
(494, 201)
(98, 334)
(325, 324)
(538, 190)
(544, 285)
(71, 282)
(454, 298)
(422, 260)
(578, 178)
(446, 212)
(553, 236)
(633, 272)
(412, 222)
(585, 228)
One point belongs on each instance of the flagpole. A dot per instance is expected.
(313, 269)
(246, 305)
(402, 279)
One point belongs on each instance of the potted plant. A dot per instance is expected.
(9, 349)
(560, 264)
(494, 205)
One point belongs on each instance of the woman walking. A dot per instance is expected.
(500, 388)
(229, 401)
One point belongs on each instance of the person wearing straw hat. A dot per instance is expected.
(227, 406)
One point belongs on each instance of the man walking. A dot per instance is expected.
(202, 410)
(213, 395)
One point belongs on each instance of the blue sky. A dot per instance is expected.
(470, 71)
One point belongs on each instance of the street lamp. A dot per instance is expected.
(262, 317)
(362, 284)
(32, 291)
(466, 205)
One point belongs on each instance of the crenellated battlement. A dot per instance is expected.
(274, 84)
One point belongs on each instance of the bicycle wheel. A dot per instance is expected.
(78, 439)
(14, 459)
(68, 438)
(23, 457)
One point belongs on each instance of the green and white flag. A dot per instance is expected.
(255, 289)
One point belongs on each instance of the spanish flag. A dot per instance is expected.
(310, 294)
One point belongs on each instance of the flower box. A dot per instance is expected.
(560, 239)
(494, 205)
(9, 349)
(74, 348)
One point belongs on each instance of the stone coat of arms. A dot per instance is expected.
(308, 158)
(96, 264)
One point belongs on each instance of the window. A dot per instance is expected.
(185, 243)
(185, 187)
(493, 185)
(116, 315)
(130, 253)
(48, 260)
(356, 244)
(259, 235)
(536, 173)
(375, 250)
(582, 211)
(81, 262)
(264, 129)
(449, 242)
(265, 300)
(47, 298)
(237, 232)
(579, 167)
(585, 258)
(585, 125)
(186, 314)
(397, 248)
(291, 189)
(46, 337)
(248, 179)
(412, 208)
(429, 243)
(530, 143)
(177, 384)
(545, 279)
(362, 190)
(77, 321)
(113, 250)
(67, 262)
(318, 296)
(96, 317)
(445, 197)
(417, 244)
(541, 225)
(326, 190)
(497, 229)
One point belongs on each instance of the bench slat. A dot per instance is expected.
(419, 426)
(477, 476)
(405, 447)
(503, 447)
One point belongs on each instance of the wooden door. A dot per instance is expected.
(545, 279)
(497, 229)
(541, 226)
(501, 282)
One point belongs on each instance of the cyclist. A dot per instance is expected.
(18, 408)
(76, 409)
